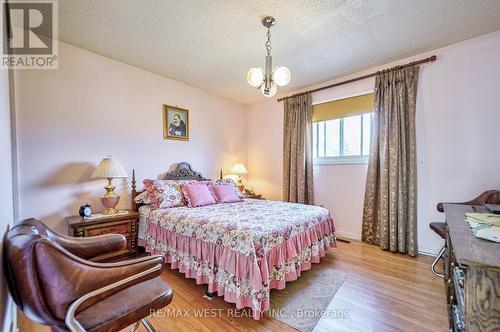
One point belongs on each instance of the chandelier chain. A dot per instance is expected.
(268, 42)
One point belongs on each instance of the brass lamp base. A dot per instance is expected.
(110, 211)
(240, 184)
(109, 204)
(110, 200)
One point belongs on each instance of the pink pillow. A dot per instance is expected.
(197, 194)
(224, 193)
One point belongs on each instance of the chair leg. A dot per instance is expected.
(209, 295)
(148, 325)
(433, 265)
(135, 327)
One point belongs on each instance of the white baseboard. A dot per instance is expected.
(354, 236)
(428, 252)
(348, 235)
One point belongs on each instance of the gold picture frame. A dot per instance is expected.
(175, 123)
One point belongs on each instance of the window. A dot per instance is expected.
(342, 130)
(342, 141)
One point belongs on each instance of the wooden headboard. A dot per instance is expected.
(181, 171)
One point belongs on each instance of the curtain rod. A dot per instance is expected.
(414, 63)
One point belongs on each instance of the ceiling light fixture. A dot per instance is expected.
(268, 80)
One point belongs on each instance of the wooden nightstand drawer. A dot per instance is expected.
(118, 227)
(122, 223)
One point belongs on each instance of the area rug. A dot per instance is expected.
(300, 302)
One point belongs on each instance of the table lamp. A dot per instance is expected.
(239, 169)
(109, 169)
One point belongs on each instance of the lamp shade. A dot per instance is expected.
(239, 169)
(109, 168)
(255, 77)
(271, 92)
(281, 76)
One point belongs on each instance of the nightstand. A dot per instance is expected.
(126, 223)
(255, 196)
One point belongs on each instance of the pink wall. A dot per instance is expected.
(457, 136)
(70, 118)
(265, 149)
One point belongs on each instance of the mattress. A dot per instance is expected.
(240, 250)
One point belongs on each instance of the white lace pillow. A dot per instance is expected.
(142, 198)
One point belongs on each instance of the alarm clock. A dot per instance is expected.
(85, 211)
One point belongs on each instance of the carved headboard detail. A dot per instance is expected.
(181, 171)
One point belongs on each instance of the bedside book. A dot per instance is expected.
(102, 215)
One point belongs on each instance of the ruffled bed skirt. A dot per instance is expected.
(242, 280)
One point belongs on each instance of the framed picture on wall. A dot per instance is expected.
(175, 123)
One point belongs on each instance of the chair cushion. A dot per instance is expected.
(439, 228)
(127, 306)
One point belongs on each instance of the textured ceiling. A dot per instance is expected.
(211, 44)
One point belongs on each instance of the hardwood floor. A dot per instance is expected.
(382, 292)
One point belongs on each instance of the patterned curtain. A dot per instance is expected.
(297, 150)
(390, 206)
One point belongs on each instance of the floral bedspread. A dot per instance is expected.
(240, 250)
(251, 227)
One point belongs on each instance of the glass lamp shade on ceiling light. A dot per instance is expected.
(255, 77)
(271, 92)
(281, 76)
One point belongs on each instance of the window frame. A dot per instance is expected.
(341, 159)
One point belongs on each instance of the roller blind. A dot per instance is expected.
(343, 108)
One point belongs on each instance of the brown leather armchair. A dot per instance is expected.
(53, 284)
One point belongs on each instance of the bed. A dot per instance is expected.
(240, 250)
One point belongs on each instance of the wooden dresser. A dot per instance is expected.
(472, 274)
(123, 223)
